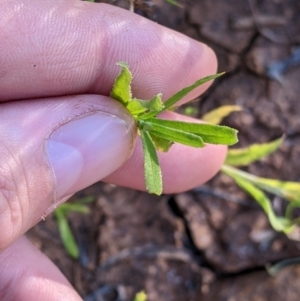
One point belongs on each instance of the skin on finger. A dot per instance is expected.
(87, 137)
(27, 274)
(183, 167)
(59, 47)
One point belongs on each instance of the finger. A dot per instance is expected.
(183, 167)
(56, 47)
(27, 274)
(52, 148)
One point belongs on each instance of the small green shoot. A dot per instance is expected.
(65, 232)
(159, 134)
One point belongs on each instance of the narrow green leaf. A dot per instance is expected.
(179, 95)
(86, 200)
(65, 232)
(122, 90)
(209, 133)
(174, 2)
(162, 145)
(75, 207)
(217, 115)
(285, 189)
(278, 223)
(170, 103)
(245, 156)
(152, 171)
(171, 134)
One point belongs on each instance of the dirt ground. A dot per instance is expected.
(211, 243)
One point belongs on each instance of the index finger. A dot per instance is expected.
(56, 47)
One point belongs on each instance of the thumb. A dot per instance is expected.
(51, 148)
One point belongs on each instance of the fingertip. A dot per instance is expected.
(183, 167)
(191, 167)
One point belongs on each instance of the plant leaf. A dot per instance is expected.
(65, 232)
(122, 87)
(75, 207)
(174, 2)
(245, 156)
(285, 189)
(217, 115)
(171, 134)
(135, 107)
(155, 104)
(161, 144)
(152, 171)
(278, 223)
(209, 133)
(86, 200)
(179, 95)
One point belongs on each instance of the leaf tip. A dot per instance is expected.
(122, 64)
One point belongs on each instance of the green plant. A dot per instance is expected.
(65, 232)
(258, 187)
(160, 134)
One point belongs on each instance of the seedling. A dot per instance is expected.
(258, 187)
(65, 232)
(159, 134)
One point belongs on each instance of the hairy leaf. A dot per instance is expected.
(179, 95)
(159, 134)
(172, 134)
(161, 144)
(122, 90)
(155, 104)
(135, 107)
(209, 133)
(153, 177)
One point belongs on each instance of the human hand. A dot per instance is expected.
(60, 132)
